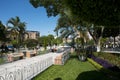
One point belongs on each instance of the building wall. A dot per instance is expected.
(67, 40)
(32, 35)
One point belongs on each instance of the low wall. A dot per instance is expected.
(61, 58)
(26, 69)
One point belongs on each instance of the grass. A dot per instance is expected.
(1, 60)
(42, 52)
(72, 70)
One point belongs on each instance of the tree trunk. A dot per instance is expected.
(97, 39)
(98, 46)
(114, 42)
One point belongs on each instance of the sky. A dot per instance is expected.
(36, 18)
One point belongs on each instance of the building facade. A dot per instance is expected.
(32, 35)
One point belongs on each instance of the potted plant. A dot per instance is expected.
(81, 50)
(82, 55)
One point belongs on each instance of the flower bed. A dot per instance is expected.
(113, 75)
(105, 63)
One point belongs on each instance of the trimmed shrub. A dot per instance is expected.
(98, 66)
(105, 63)
(108, 71)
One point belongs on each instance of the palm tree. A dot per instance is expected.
(22, 31)
(68, 26)
(65, 27)
(17, 29)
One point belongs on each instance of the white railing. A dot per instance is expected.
(65, 56)
(28, 68)
(25, 69)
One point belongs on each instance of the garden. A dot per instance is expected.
(74, 69)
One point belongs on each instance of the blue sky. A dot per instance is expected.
(36, 18)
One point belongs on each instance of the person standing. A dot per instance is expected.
(4, 48)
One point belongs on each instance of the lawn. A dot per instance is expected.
(1, 60)
(72, 70)
(42, 52)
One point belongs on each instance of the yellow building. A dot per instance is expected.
(32, 35)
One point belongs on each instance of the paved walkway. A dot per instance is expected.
(114, 52)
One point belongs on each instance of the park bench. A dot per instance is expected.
(30, 53)
(14, 56)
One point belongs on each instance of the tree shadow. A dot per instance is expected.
(73, 56)
(92, 75)
(58, 78)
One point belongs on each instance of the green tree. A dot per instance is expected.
(99, 12)
(99, 32)
(22, 31)
(50, 39)
(65, 27)
(31, 43)
(3, 32)
(17, 29)
(53, 7)
(3, 36)
(111, 32)
(69, 27)
(66, 20)
(103, 41)
(43, 40)
(57, 40)
(96, 33)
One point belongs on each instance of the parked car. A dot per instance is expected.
(10, 48)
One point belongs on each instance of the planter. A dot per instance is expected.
(82, 58)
